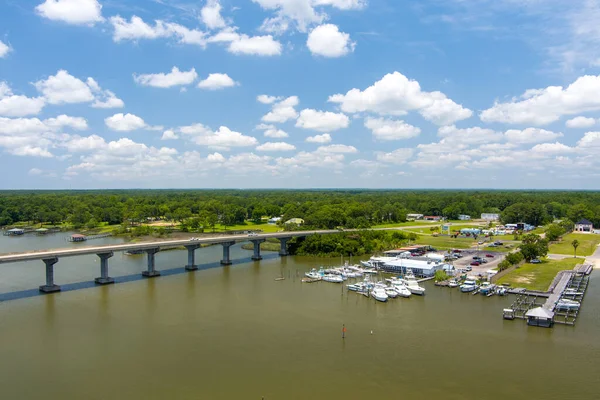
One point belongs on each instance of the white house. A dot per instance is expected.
(490, 216)
(584, 226)
(464, 217)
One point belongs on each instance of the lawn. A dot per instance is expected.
(266, 228)
(538, 276)
(445, 242)
(587, 244)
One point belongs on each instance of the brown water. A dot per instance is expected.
(236, 333)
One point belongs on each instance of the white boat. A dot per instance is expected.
(391, 292)
(379, 294)
(572, 292)
(313, 274)
(453, 283)
(468, 286)
(366, 264)
(332, 278)
(401, 290)
(360, 286)
(500, 291)
(567, 305)
(412, 285)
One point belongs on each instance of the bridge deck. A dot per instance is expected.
(45, 254)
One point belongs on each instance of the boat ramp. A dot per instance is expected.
(540, 308)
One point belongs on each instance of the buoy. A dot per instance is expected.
(371, 332)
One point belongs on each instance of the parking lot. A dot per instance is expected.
(464, 263)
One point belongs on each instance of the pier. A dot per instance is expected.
(539, 308)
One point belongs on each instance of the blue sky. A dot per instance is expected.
(299, 93)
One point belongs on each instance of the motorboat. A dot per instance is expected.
(391, 292)
(572, 292)
(412, 285)
(313, 274)
(366, 264)
(500, 291)
(487, 288)
(379, 294)
(469, 286)
(360, 286)
(401, 290)
(332, 278)
(567, 305)
(452, 283)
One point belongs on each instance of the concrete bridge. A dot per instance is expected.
(51, 257)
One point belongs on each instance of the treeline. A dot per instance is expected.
(318, 208)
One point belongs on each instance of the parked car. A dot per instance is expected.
(483, 261)
(498, 243)
(252, 234)
(476, 257)
(489, 255)
(475, 263)
(536, 261)
(468, 269)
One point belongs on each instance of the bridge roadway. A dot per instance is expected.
(47, 254)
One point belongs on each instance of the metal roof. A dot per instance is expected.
(539, 312)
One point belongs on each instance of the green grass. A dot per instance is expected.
(407, 223)
(445, 242)
(248, 226)
(587, 244)
(538, 276)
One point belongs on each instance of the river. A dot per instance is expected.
(236, 333)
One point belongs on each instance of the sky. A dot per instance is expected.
(299, 94)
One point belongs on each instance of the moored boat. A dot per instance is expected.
(412, 285)
(452, 283)
(567, 305)
(379, 294)
(468, 286)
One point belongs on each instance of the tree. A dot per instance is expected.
(533, 247)
(575, 244)
(554, 231)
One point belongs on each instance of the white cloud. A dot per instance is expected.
(124, 122)
(327, 41)
(398, 156)
(337, 148)
(62, 121)
(266, 99)
(255, 45)
(324, 138)
(211, 15)
(272, 131)
(580, 122)
(551, 148)
(388, 129)
(322, 121)
(589, 140)
(31, 151)
(301, 13)
(304, 160)
(4, 49)
(544, 106)
(223, 138)
(104, 98)
(530, 135)
(474, 135)
(276, 146)
(169, 135)
(170, 79)
(17, 105)
(395, 94)
(76, 12)
(136, 29)
(216, 82)
(35, 171)
(78, 144)
(64, 88)
(216, 157)
(282, 111)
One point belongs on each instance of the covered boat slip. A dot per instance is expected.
(562, 306)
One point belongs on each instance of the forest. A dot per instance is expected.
(330, 209)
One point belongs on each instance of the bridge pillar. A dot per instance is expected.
(151, 272)
(283, 250)
(256, 256)
(50, 287)
(191, 265)
(104, 279)
(226, 260)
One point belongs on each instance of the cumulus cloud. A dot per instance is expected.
(276, 146)
(324, 138)
(396, 95)
(551, 148)
(580, 122)
(103, 98)
(211, 15)
(388, 129)
(301, 13)
(169, 135)
(272, 131)
(78, 144)
(322, 121)
(255, 45)
(216, 82)
(12, 105)
(544, 106)
(327, 41)
(76, 12)
(4, 49)
(266, 99)
(170, 79)
(589, 140)
(474, 135)
(398, 156)
(530, 135)
(337, 148)
(124, 122)
(282, 111)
